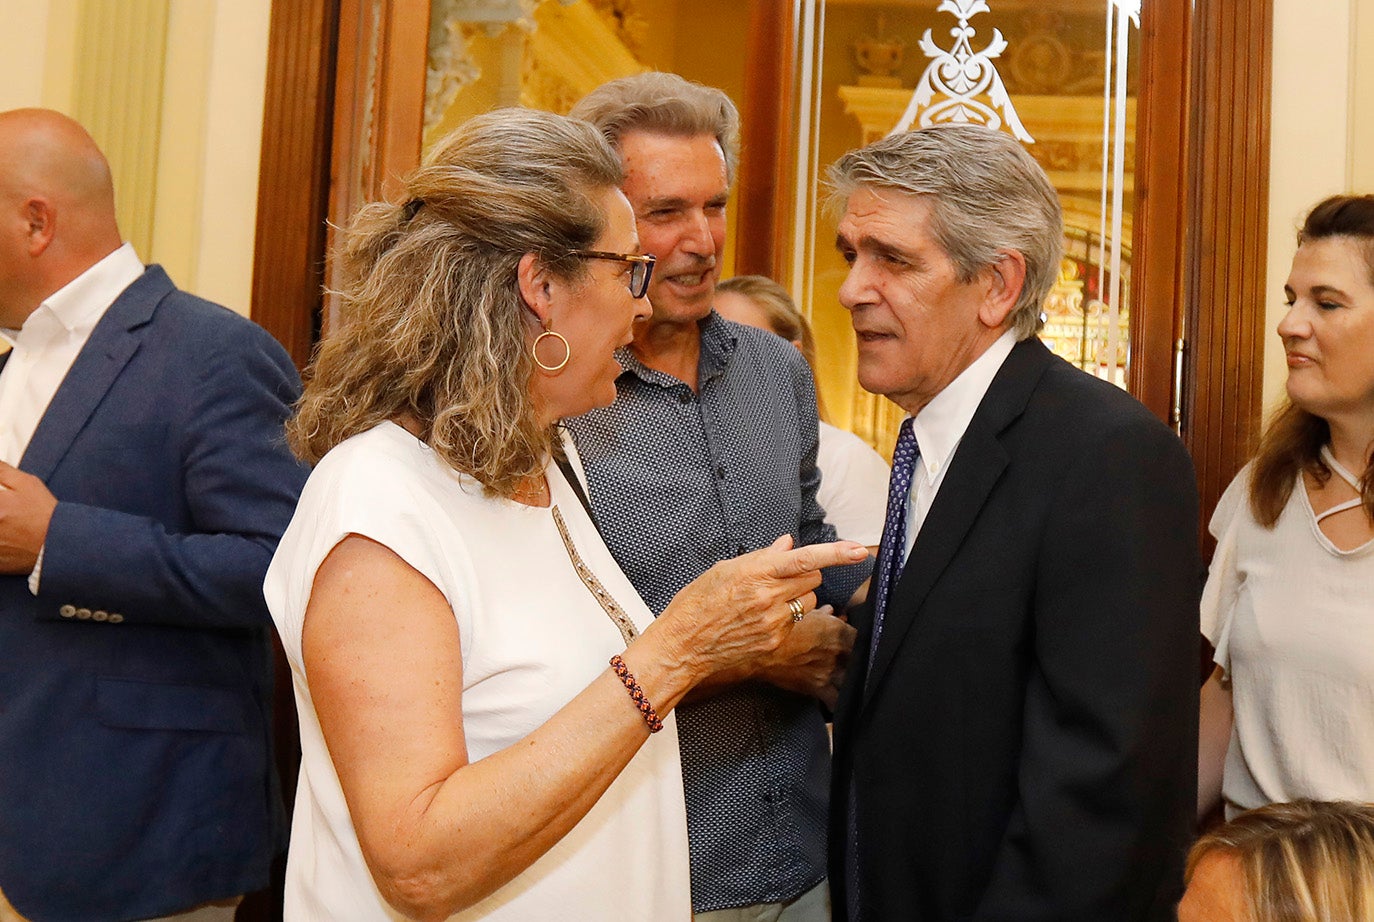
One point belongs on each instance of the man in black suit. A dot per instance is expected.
(1016, 738)
(144, 484)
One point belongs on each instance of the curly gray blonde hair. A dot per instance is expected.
(433, 327)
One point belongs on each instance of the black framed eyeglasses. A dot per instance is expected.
(641, 267)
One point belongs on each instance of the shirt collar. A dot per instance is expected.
(718, 341)
(79, 305)
(941, 424)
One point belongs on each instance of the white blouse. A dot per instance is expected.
(533, 637)
(853, 490)
(1292, 618)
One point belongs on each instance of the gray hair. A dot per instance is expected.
(661, 103)
(986, 195)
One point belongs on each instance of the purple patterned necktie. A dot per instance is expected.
(891, 552)
(885, 571)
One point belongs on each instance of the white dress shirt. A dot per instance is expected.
(45, 347)
(940, 426)
(49, 342)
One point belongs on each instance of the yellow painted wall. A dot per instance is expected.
(200, 193)
(1361, 148)
(1318, 115)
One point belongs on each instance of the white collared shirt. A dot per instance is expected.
(49, 342)
(940, 426)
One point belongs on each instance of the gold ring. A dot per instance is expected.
(797, 609)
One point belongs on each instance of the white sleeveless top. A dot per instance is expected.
(1292, 618)
(533, 637)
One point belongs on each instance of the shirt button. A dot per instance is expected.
(115, 619)
(741, 549)
(684, 397)
(83, 614)
(720, 471)
(100, 616)
(67, 611)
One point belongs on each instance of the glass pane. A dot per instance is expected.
(548, 54)
(1058, 75)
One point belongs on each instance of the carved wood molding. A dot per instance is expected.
(1162, 180)
(1227, 236)
(379, 106)
(293, 185)
(763, 219)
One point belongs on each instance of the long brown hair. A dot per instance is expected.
(433, 325)
(1293, 440)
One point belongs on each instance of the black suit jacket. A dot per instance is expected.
(1023, 745)
(135, 689)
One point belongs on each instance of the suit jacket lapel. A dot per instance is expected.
(977, 465)
(112, 343)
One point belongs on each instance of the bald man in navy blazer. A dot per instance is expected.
(144, 483)
(1016, 739)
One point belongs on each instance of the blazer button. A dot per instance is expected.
(100, 616)
(67, 611)
(116, 619)
(83, 614)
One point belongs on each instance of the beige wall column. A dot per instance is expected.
(173, 92)
(121, 51)
(1312, 147)
(1361, 154)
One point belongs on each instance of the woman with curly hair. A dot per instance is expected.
(479, 687)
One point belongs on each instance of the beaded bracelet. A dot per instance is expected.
(636, 693)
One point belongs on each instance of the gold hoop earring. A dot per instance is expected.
(534, 351)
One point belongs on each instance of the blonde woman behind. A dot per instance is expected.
(853, 490)
(1294, 862)
(480, 689)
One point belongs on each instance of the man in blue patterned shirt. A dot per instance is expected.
(709, 452)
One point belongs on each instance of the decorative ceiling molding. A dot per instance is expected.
(572, 50)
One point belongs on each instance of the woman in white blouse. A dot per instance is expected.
(479, 687)
(1289, 604)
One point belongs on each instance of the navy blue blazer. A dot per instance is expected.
(1023, 745)
(136, 776)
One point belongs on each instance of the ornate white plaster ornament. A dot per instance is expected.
(960, 76)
